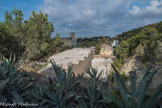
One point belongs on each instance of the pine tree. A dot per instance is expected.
(14, 24)
(38, 33)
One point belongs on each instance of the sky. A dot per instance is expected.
(88, 18)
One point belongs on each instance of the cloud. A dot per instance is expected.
(99, 17)
(153, 9)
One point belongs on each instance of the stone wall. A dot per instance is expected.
(67, 41)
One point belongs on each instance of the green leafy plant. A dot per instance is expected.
(93, 97)
(65, 78)
(13, 84)
(134, 98)
(63, 84)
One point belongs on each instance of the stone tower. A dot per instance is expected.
(72, 35)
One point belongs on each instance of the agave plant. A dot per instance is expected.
(55, 98)
(64, 82)
(93, 96)
(135, 97)
(12, 85)
(67, 79)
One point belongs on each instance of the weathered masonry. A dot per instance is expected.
(70, 41)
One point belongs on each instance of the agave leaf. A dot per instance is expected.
(17, 65)
(2, 98)
(82, 102)
(120, 82)
(147, 71)
(109, 97)
(99, 75)
(27, 86)
(17, 97)
(2, 85)
(55, 68)
(74, 85)
(144, 85)
(59, 90)
(60, 75)
(50, 95)
(2, 72)
(5, 63)
(89, 73)
(131, 101)
(154, 98)
(87, 88)
(133, 79)
(84, 96)
(10, 58)
(68, 78)
(68, 95)
(48, 101)
(104, 101)
(14, 58)
(93, 87)
(41, 90)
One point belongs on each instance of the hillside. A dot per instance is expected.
(133, 32)
(145, 42)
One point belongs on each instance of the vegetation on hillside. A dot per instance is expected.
(144, 43)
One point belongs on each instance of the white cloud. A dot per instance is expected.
(98, 17)
(153, 9)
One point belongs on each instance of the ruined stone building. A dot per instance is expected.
(70, 41)
(106, 50)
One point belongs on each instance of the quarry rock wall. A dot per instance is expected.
(83, 65)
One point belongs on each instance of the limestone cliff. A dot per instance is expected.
(134, 63)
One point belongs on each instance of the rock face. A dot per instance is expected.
(134, 63)
(102, 65)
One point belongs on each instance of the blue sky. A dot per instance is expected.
(25, 5)
(90, 17)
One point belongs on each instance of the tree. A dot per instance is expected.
(122, 51)
(14, 24)
(133, 43)
(8, 43)
(159, 27)
(38, 33)
(148, 39)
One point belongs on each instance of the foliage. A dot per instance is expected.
(143, 44)
(29, 38)
(14, 85)
(62, 93)
(38, 33)
(93, 97)
(14, 25)
(122, 51)
(134, 98)
(8, 43)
